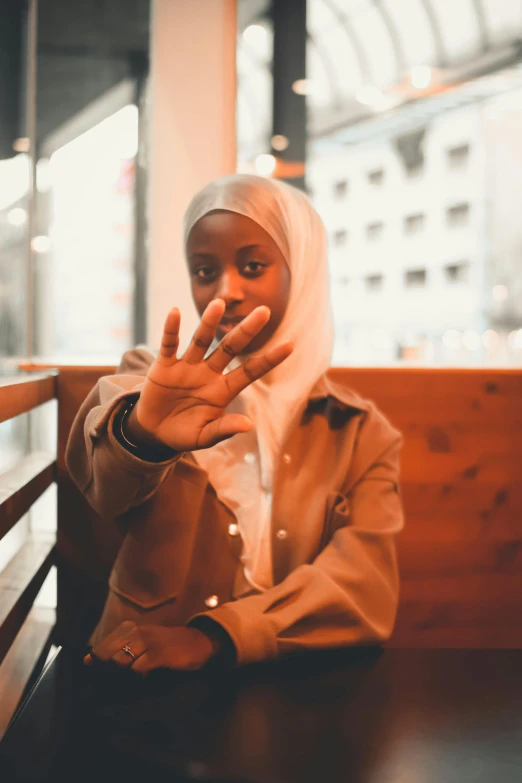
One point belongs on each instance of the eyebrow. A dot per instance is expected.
(197, 254)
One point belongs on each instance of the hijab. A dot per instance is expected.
(241, 468)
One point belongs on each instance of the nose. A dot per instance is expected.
(230, 287)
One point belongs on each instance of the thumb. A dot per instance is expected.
(223, 428)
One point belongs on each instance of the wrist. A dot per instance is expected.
(137, 434)
(143, 448)
(223, 648)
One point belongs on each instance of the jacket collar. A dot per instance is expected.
(341, 394)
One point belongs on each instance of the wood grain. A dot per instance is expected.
(19, 394)
(460, 554)
(22, 485)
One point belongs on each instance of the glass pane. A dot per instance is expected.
(323, 79)
(245, 62)
(450, 234)
(254, 92)
(503, 19)
(416, 36)
(91, 233)
(245, 124)
(460, 28)
(14, 445)
(348, 68)
(420, 200)
(320, 18)
(14, 249)
(15, 174)
(91, 241)
(257, 42)
(368, 25)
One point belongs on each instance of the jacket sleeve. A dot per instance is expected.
(347, 596)
(111, 478)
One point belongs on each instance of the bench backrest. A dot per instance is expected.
(461, 551)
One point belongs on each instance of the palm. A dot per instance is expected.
(184, 400)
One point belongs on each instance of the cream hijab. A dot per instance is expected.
(241, 468)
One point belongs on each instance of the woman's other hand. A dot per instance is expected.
(183, 401)
(155, 647)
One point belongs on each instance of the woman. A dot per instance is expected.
(259, 499)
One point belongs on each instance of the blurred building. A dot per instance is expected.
(414, 143)
(425, 248)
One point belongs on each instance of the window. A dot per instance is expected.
(414, 224)
(457, 273)
(457, 157)
(340, 189)
(415, 278)
(374, 231)
(410, 148)
(340, 238)
(374, 282)
(457, 215)
(376, 177)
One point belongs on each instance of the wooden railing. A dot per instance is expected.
(25, 630)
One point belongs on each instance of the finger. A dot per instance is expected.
(150, 660)
(113, 641)
(239, 338)
(167, 658)
(170, 339)
(205, 332)
(137, 647)
(92, 660)
(256, 367)
(223, 428)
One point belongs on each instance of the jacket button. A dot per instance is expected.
(281, 534)
(233, 529)
(212, 601)
(287, 459)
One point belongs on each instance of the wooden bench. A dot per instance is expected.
(460, 553)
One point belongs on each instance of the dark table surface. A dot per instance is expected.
(357, 716)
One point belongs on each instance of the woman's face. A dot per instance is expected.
(231, 257)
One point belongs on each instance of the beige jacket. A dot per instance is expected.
(336, 513)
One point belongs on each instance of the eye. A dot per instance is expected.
(254, 268)
(204, 274)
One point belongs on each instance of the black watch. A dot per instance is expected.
(146, 453)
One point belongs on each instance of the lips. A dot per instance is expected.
(235, 319)
(227, 324)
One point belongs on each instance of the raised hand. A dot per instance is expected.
(182, 404)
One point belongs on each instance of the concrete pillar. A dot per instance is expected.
(192, 138)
